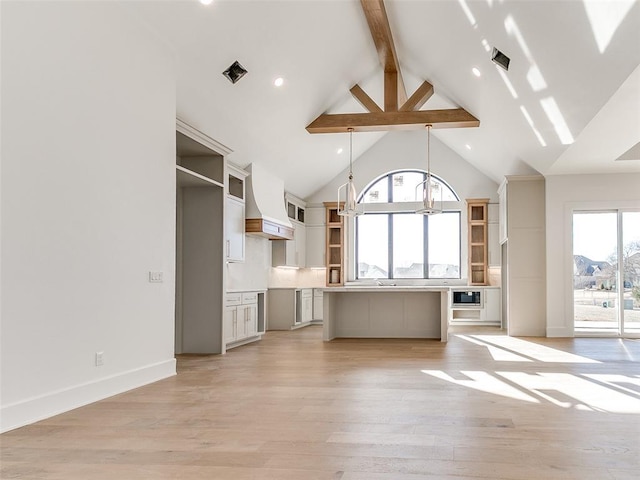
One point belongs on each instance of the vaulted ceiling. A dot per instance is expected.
(569, 103)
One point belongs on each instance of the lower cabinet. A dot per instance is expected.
(304, 300)
(318, 297)
(241, 318)
(489, 312)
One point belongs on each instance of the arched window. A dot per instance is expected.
(401, 186)
(392, 241)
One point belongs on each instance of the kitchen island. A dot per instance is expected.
(386, 312)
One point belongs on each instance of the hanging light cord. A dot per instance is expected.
(350, 130)
(428, 189)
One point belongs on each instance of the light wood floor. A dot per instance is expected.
(483, 406)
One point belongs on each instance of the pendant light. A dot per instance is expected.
(430, 189)
(351, 207)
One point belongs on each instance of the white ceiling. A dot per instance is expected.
(577, 58)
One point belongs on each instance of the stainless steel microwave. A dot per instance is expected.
(467, 297)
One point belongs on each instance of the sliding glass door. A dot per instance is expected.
(631, 273)
(606, 273)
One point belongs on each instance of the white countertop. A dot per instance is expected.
(248, 290)
(387, 288)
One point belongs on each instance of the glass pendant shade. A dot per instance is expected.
(431, 204)
(347, 192)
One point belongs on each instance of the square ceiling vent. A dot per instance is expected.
(500, 58)
(235, 72)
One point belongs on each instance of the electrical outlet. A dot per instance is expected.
(99, 359)
(156, 277)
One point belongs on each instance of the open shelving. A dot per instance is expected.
(334, 245)
(477, 226)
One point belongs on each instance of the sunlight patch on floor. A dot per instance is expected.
(484, 382)
(532, 350)
(498, 354)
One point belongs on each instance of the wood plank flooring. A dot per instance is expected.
(483, 406)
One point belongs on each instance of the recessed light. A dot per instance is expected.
(278, 82)
(339, 151)
(206, 2)
(476, 71)
(468, 146)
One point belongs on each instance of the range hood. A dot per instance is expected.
(265, 210)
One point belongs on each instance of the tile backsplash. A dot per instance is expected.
(303, 277)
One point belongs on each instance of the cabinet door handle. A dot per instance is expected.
(228, 248)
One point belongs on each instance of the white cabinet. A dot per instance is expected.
(234, 214)
(316, 230)
(493, 236)
(525, 304)
(488, 312)
(231, 317)
(249, 314)
(234, 222)
(502, 213)
(305, 303)
(491, 307)
(318, 299)
(241, 318)
(292, 253)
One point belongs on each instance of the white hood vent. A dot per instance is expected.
(265, 209)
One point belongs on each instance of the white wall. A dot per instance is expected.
(564, 194)
(399, 150)
(88, 207)
(408, 149)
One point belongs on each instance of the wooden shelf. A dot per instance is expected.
(477, 211)
(334, 247)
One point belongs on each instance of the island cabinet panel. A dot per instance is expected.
(385, 313)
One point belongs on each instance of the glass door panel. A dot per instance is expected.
(630, 291)
(595, 299)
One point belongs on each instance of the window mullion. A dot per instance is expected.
(390, 225)
(390, 237)
(425, 250)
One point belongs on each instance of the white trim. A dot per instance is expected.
(38, 408)
(570, 208)
(202, 138)
(559, 332)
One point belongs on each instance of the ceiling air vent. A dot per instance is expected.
(235, 72)
(500, 58)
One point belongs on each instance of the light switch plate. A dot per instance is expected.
(156, 277)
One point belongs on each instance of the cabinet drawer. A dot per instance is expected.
(234, 299)
(307, 293)
(250, 297)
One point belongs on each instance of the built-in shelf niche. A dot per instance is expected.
(335, 245)
(477, 210)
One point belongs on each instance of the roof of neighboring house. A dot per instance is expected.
(586, 267)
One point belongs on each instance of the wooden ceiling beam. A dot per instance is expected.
(365, 100)
(390, 91)
(380, 30)
(419, 98)
(383, 121)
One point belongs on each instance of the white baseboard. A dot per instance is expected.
(559, 332)
(44, 406)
